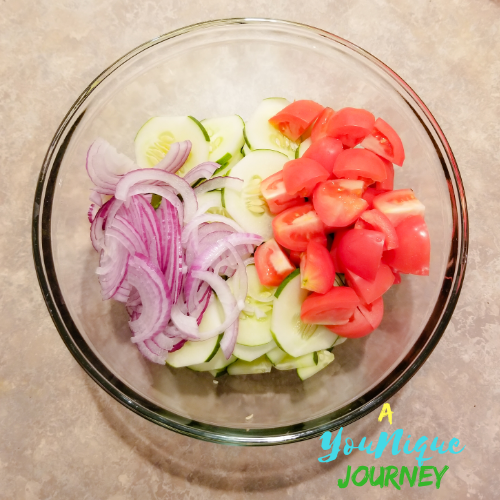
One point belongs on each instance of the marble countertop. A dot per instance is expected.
(62, 437)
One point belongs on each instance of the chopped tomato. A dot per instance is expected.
(360, 251)
(357, 326)
(324, 151)
(337, 263)
(301, 176)
(296, 226)
(356, 163)
(398, 205)
(274, 192)
(376, 220)
(272, 264)
(388, 184)
(321, 124)
(333, 308)
(397, 277)
(295, 257)
(350, 126)
(370, 291)
(412, 256)
(316, 268)
(373, 312)
(293, 120)
(370, 193)
(384, 141)
(338, 202)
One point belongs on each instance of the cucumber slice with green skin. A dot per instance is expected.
(218, 362)
(250, 353)
(247, 206)
(155, 137)
(260, 134)
(304, 146)
(226, 136)
(291, 363)
(290, 334)
(218, 373)
(240, 367)
(225, 170)
(285, 282)
(276, 355)
(214, 199)
(245, 149)
(324, 359)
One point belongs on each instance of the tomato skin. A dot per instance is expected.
(370, 193)
(293, 120)
(325, 151)
(296, 226)
(357, 326)
(295, 257)
(376, 220)
(373, 312)
(350, 126)
(384, 141)
(316, 269)
(369, 291)
(337, 263)
(388, 184)
(412, 256)
(301, 176)
(398, 205)
(338, 202)
(356, 163)
(272, 264)
(360, 251)
(319, 128)
(274, 192)
(333, 308)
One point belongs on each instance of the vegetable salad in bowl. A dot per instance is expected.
(237, 247)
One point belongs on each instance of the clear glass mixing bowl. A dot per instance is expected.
(221, 68)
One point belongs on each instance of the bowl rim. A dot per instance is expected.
(373, 398)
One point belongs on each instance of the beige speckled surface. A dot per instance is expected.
(62, 437)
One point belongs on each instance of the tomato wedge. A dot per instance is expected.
(398, 205)
(319, 128)
(360, 251)
(388, 184)
(370, 193)
(338, 202)
(337, 263)
(295, 257)
(373, 312)
(272, 264)
(301, 176)
(316, 268)
(274, 192)
(350, 126)
(384, 141)
(296, 226)
(376, 220)
(412, 256)
(355, 163)
(370, 291)
(333, 308)
(324, 151)
(357, 326)
(293, 120)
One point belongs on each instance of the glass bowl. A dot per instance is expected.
(221, 68)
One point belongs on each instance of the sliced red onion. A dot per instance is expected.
(105, 166)
(175, 157)
(148, 354)
(90, 212)
(98, 225)
(218, 183)
(153, 175)
(95, 198)
(229, 339)
(208, 218)
(204, 170)
(149, 281)
(112, 268)
(178, 345)
(185, 324)
(128, 235)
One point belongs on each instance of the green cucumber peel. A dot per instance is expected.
(222, 200)
(286, 281)
(203, 129)
(246, 139)
(224, 160)
(315, 357)
(216, 348)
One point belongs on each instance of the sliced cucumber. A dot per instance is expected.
(240, 367)
(218, 362)
(276, 355)
(249, 353)
(226, 136)
(247, 206)
(291, 335)
(324, 359)
(291, 363)
(304, 146)
(225, 168)
(285, 282)
(260, 134)
(155, 137)
(245, 149)
(219, 372)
